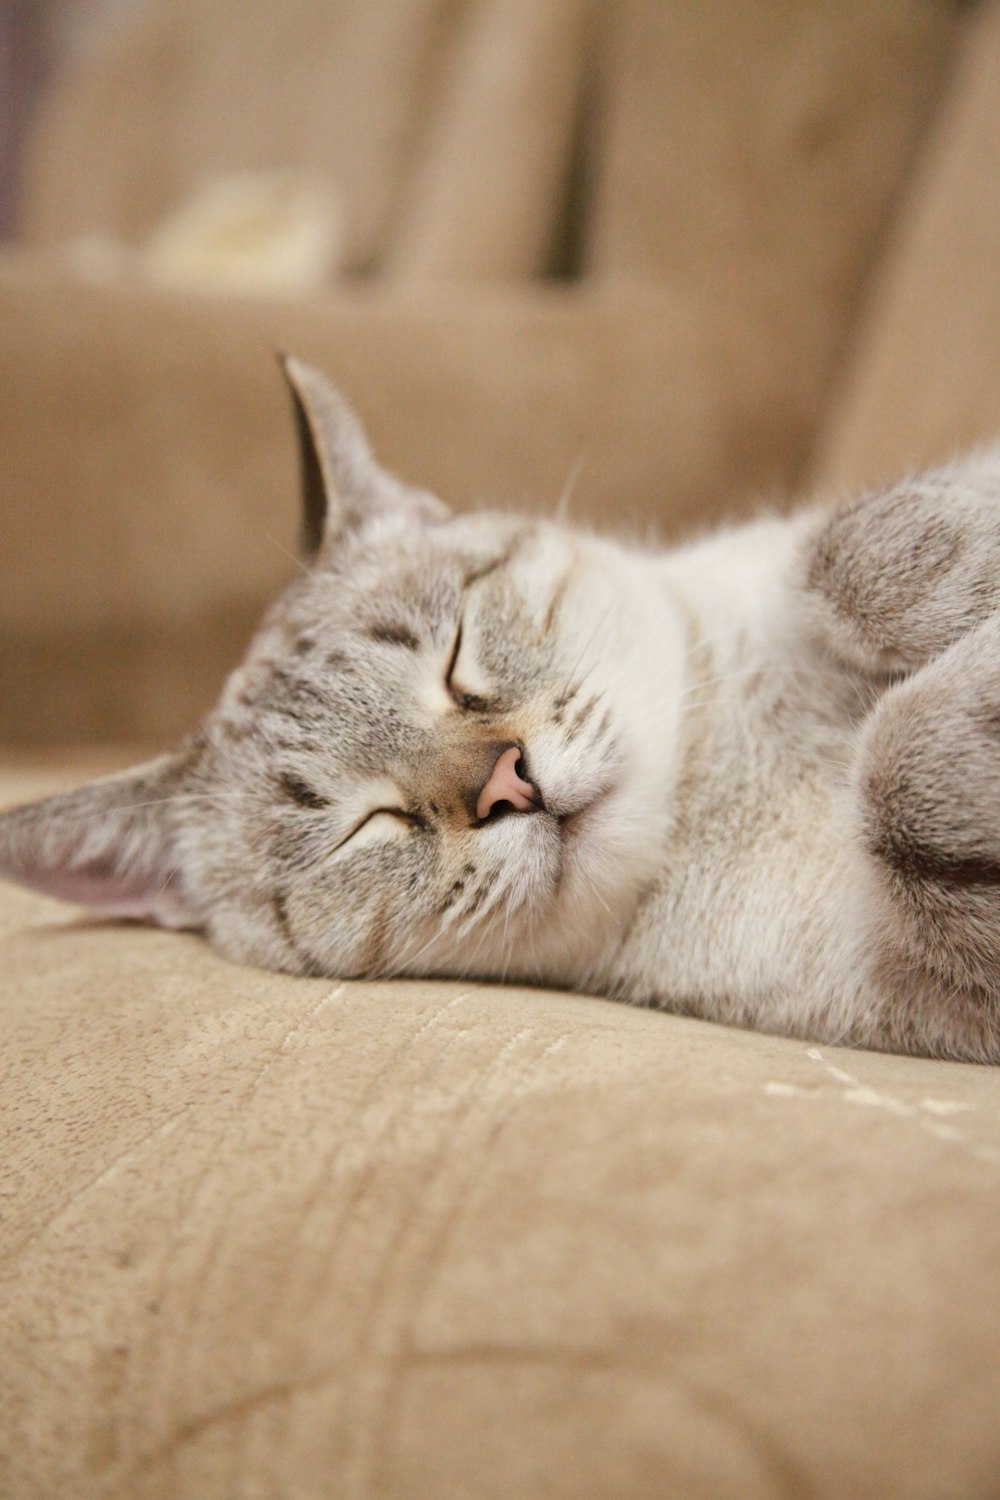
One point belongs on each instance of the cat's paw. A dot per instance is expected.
(929, 799)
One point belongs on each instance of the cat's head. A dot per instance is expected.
(441, 754)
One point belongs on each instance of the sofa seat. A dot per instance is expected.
(265, 1236)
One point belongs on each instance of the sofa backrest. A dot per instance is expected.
(655, 243)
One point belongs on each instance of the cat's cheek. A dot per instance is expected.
(240, 939)
(374, 907)
(611, 852)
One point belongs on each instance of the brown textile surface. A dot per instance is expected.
(925, 379)
(486, 199)
(189, 89)
(736, 169)
(266, 1236)
(750, 155)
(758, 141)
(149, 469)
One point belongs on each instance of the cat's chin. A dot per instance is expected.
(610, 850)
(602, 868)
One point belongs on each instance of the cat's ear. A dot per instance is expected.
(111, 844)
(343, 486)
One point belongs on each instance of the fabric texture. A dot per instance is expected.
(924, 380)
(150, 473)
(712, 186)
(340, 86)
(265, 1238)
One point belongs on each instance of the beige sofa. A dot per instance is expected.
(264, 1237)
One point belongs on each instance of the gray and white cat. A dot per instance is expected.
(755, 779)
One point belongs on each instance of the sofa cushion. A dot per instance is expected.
(150, 489)
(335, 86)
(924, 381)
(270, 1236)
(753, 154)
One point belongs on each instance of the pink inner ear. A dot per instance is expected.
(99, 884)
(108, 845)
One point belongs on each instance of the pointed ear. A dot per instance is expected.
(342, 485)
(111, 844)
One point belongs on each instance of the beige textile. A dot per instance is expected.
(925, 379)
(750, 155)
(150, 487)
(735, 171)
(266, 1238)
(187, 89)
(278, 1237)
(486, 200)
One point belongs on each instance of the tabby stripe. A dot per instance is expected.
(915, 859)
(279, 907)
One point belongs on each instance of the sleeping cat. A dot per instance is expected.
(755, 779)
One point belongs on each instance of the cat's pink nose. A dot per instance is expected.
(505, 785)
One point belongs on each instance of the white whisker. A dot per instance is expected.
(563, 503)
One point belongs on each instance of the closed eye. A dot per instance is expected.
(300, 792)
(401, 814)
(468, 701)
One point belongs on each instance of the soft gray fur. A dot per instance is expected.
(762, 771)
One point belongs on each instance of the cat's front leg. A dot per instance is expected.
(927, 783)
(894, 580)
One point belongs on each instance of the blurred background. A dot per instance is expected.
(676, 258)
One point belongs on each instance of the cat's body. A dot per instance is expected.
(759, 861)
(756, 779)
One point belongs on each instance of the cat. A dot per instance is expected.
(754, 779)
